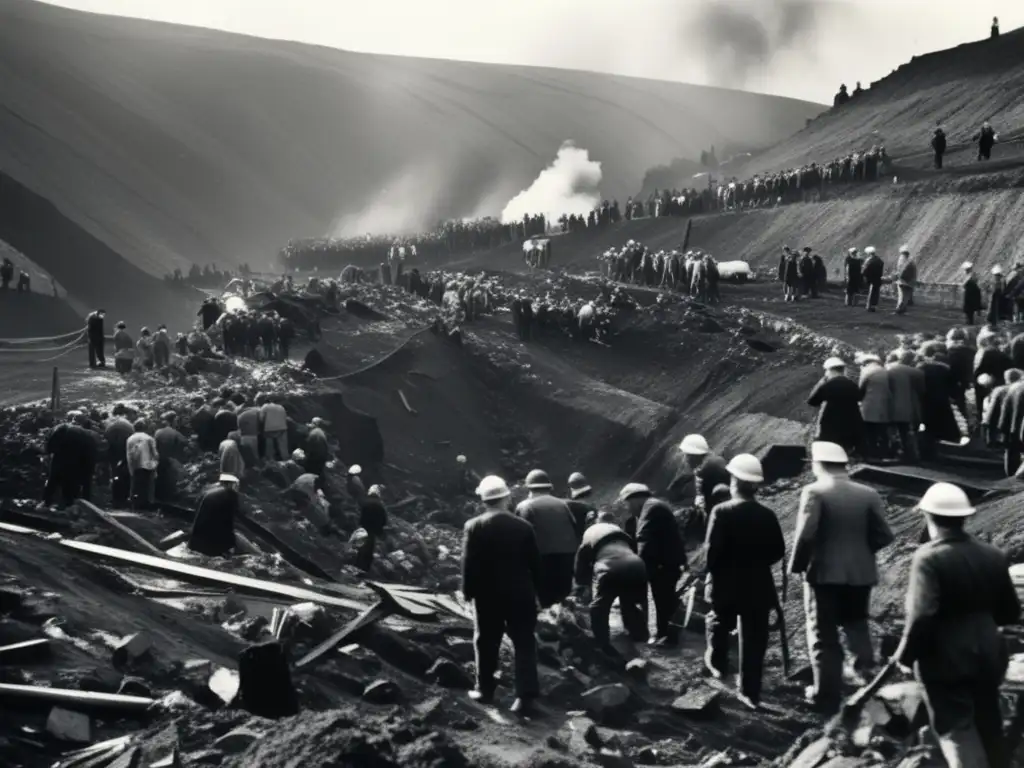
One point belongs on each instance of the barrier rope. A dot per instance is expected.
(47, 359)
(22, 350)
(74, 335)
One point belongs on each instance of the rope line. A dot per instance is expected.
(74, 335)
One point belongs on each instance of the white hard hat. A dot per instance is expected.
(986, 380)
(869, 249)
(694, 445)
(967, 266)
(746, 467)
(226, 478)
(461, 459)
(834, 362)
(997, 270)
(829, 453)
(946, 500)
(869, 357)
(905, 249)
(853, 250)
(355, 469)
(630, 490)
(492, 488)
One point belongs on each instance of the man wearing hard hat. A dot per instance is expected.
(906, 279)
(501, 576)
(661, 547)
(582, 510)
(708, 469)
(557, 538)
(743, 542)
(837, 399)
(960, 593)
(840, 526)
(213, 530)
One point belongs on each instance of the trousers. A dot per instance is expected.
(666, 602)
(556, 572)
(904, 297)
(493, 618)
(754, 621)
(968, 721)
(829, 607)
(142, 489)
(625, 581)
(908, 441)
(275, 445)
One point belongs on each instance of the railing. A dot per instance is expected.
(944, 294)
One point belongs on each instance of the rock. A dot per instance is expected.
(66, 725)
(448, 674)
(132, 648)
(906, 699)
(875, 713)
(813, 755)
(265, 682)
(613, 759)
(462, 649)
(606, 701)
(646, 756)
(135, 686)
(103, 680)
(204, 757)
(923, 759)
(697, 700)
(367, 661)
(845, 761)
(637, 669)
(861, 737)
(236, 741)
(382, 691)
(224, 683)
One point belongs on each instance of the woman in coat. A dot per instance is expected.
(997, 297)
(973, 303)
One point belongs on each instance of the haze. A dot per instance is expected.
(797, 48)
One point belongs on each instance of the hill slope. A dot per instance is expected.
(960, 87)
(172, 143)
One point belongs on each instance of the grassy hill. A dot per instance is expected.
(174, 144)
(961, 87)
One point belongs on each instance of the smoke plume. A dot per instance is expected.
(738, 40)
(569, 185)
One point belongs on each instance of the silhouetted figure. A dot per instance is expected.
(986, 139)
(939, 146)
(841, 98)
(995, 26)
(858, 90)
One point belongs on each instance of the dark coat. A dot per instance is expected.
(213, 530)
(972, 296)
(710, 473)
(960, 593)
(1017, 351)
(373, 515)
(604, 545)
(874, 270)
(961, 363)
(854, 280)
(994, 362)
(72, 447)
(658, 540)
(939, 142)
(939, 389)
(553, 523)
(500, 560)
(792, 273)
(839, 419)
(744, 540)
(224, 423)
(94, 326)
(580, 510)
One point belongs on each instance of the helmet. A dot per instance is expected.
(905, 249)
(492, 488)
(226, 478)
(629, 490)
(461, 459)
(578, 484)
(946, 500)
(746, 467)
(986, 380)
(830, 453)
(375, 490)
(694, 445)
(537, 480)
(870, 249)
(834, 362)
(355, 469)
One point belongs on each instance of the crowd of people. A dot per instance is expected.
(694, 273)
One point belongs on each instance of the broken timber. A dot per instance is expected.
(79, 700)
(370, 616)
(121, 529)
(405, 402)
(25, 652)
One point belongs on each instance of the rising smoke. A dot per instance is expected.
(738, 40)
(569, 185)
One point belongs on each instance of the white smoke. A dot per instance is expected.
(569, 185)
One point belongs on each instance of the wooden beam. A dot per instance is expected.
(25, 652)
(121, 529)
(371, 615)
(77, 700)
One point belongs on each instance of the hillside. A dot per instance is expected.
(961, 87)
(173, 144)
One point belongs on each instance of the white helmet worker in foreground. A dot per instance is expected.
(500, 575)
(960, 592)
(840, 526)
(707, 469)
(744, 541)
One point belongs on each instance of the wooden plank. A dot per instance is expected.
(289, 555)
(391, 587)
(188, 572)
(25, 652)
(21, 530)
(77, 700)
(371, 615)
(121, 529)
(403, 604)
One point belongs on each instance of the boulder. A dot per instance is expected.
(696, 700)
(906, 700)
(132, 648)
(606, 702)
(448, 674)
(66, 725)
(382, 691)
(637, 669)
(236, 741)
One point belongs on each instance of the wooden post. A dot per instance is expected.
(55, 390)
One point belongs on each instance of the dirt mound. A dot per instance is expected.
(142, 149)
(960, 87)
(35, 315)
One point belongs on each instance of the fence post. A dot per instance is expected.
(55, 391)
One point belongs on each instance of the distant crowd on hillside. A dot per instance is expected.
(206, 277)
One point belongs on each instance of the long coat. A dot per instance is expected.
(938, 415)
(744, 540)
(875, 398)
(500, 560)
(906, 388)
(839, 419)
(972, 296)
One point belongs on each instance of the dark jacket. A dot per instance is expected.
(604, 545)
(116, 432)
(874, 270)
(839, 419)
(224, 423)
(316, 446)
(213, 530)
(960, 593)
(94, 326)
(658, 540)
(710, 473)
(994, 362)
(373, 515)
(203, 427)
(500, 559)
(961, 364)
(580, 509)
(553, 523)
(972, 296)
(1017, 351)
(939, 389)
(744, 540)
(170, 444)
(852, 268)
(71, 446)
(939, 141)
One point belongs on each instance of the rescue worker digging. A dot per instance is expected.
(959, 594)
(213, 530)
(744, 541)
(557, 539)
(607, 563)
(501, 577)
(709, 470)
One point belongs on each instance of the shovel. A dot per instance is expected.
(849, 716)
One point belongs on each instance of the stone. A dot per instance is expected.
(906, 699)
(224, 683)
(462, 649)
(264, 681)
(606, 701)
(637, 669)
(613, 759)
(382, 691)
(696, 700)
(135, 686)
(366, 660)
(875, 713)
(132, 648)
(236, 741)
(862, 736)
(646, 756)
(448, 674)
(172, 540)
(813, 755)
(846, 761)
(67, 725)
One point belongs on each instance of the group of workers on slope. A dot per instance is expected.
(515, 563)
(695, 273)
(152, 350)
(7, 276)
(986, 138)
